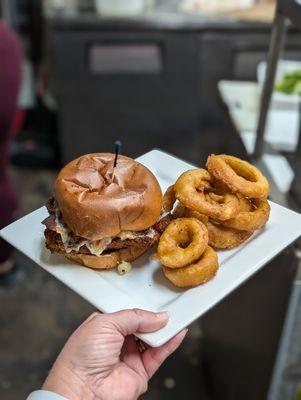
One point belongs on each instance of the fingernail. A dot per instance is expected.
(162, 316)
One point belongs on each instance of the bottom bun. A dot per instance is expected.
(110, 260)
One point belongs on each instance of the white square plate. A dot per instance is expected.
(145, 286)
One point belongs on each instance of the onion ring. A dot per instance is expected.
(221, 237)
(251, 220)
(194, 190)
(181, 211)
(244, 203)
(169, 199)
(238, 175)
(182, 242)
(194, 274)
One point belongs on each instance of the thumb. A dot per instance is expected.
(137, 321)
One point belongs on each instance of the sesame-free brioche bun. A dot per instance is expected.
(94, 207)
(110, 260)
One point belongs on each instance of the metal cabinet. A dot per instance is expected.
(124, 85)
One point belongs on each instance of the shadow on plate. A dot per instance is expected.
(161, 280)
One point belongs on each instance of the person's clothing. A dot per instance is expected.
(45, 395)
(10, 77)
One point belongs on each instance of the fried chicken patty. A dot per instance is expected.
(55, 243)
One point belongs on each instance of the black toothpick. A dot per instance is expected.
(117, 151)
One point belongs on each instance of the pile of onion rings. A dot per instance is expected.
(229, 198)
(184, 253)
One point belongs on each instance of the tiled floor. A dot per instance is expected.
(38, 313)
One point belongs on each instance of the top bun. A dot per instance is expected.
(94, 207)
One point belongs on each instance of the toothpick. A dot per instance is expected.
(117, 151)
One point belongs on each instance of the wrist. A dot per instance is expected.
(65, 382)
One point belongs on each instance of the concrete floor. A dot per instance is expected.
(38, 313)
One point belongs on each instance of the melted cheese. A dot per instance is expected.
(133, 235)
(98, 246)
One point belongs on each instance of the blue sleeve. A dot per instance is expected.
(45, 395)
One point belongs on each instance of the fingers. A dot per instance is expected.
(154, 357)
(138, 321)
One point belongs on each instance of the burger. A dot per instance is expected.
(100, 216)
